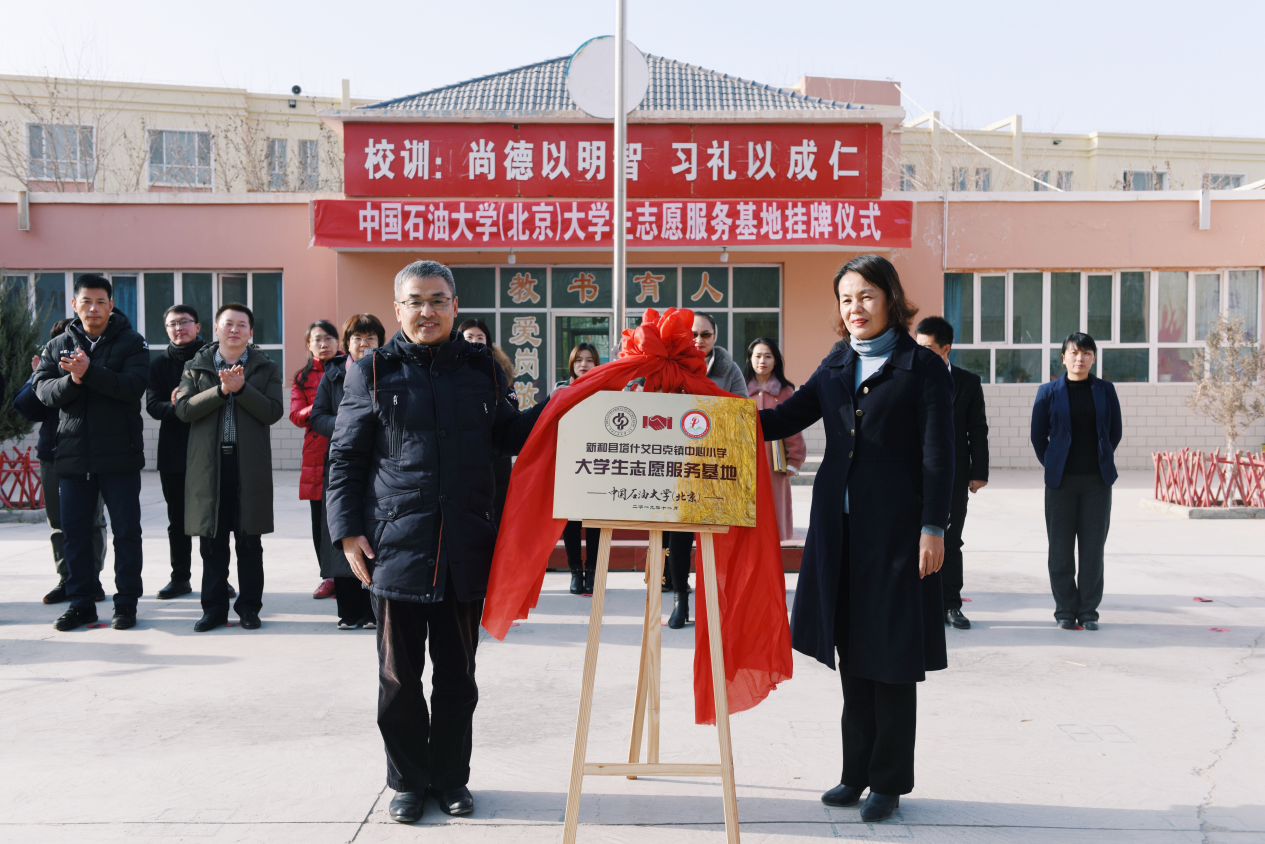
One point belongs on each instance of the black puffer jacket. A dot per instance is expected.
(164, 376)
(100, 425)
(411, 461)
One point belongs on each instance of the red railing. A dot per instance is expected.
(20, 487)
(1197, 479)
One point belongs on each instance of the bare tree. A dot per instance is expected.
(1228, 387)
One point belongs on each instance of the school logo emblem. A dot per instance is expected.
(620, 421)
(695, 424)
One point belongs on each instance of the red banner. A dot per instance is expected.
(586, 224)
(720, 160)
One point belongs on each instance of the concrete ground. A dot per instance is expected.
(1150, 730)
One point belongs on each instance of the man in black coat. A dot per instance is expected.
(95, 374)
(970, 452)
(410, 495)
(32, 409)
(185, 333)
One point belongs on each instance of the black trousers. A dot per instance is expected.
(353, 599)
(79, 496)
(951, 572)
(50, 484)
(215, 551)
(571, 540)
(1077, 517)
(181, 544)
(680, 554)
(427, 747)
(879, 719)
(318, 516)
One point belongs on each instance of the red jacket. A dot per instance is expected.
(312, 476)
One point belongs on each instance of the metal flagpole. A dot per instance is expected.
(618, 215)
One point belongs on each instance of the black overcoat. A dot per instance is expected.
(891, 447)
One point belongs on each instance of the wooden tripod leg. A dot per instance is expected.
(654, 647)
(572, 823)
(643, 666)
(718, 683)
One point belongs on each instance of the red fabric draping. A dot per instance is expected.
(757, 642)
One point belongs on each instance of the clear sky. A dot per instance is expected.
(1077, 65)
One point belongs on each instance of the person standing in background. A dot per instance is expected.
(28, 405)
(970, 459)
(476, 331)
(322, 345)
(768, 385)
(583, 358)
(362, 333)
(1076, 426)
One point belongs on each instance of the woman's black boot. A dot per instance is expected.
(681, 613)
(577, 580)
(879, 807)
(589, 574)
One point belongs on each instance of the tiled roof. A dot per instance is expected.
(542, 87)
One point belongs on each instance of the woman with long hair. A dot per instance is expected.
(768, 385)
(362, 333)
(583, 357)
(476, 331)
(869, 584)
(322, 345)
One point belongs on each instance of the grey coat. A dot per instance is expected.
(725, 373)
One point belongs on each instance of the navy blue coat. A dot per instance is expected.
(29, 406)
(1052, 428)
(410, 463)
(891, 447)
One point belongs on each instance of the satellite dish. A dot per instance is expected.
(591, 77)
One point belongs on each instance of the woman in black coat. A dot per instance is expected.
(869, 586)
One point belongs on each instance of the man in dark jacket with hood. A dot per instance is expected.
(410, 495)
(32, 409)
(185, 333)
(95, 374)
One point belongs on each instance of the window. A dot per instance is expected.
(1064, 180)
(983, 178)
(180, 159)
(309, 166)
(1222, 181)
(908, 177)
(961, 178)
(1009, 327)
(1043, 176)
(1145, 180)
(275, 162)
(60, 153)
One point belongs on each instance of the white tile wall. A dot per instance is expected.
(1155, 419)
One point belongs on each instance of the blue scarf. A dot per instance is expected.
(873, 353)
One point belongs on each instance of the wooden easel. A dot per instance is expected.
(647, 704)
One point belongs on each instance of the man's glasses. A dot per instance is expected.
(181, 324)
(437, 304)
(706, 335)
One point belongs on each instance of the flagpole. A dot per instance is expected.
(618, 274)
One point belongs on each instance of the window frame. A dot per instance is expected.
(1204, 179)
(1161, 175)
(26, 153)
(151, 181)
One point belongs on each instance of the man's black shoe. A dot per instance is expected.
(232, 593)
(1089, 625)
(455, 801)
(879, 807)
(124, 618)
(1067, 624)
(209, 622)
(57, 595)
(577, 582)
(406, 806)
(175, 589)
(75, 617)
(955, 618)
(250, 620)
(842, 795)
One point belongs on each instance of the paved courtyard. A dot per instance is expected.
(1150, 730)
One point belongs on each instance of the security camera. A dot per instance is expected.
(296, 90)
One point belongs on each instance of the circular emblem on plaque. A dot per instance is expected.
(695, 424)
(620, 421)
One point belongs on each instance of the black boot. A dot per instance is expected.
(577, 581)
(589, 574)
(681, 613)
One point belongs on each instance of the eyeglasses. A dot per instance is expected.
(706, 335)
(437, 304)
(181, 324)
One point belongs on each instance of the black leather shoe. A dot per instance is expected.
(75, 617)
(842, 795)
(209, 622)
(455, 801)
(58, 594)
(1067, 624)
(879, 807)
(589, 575)
(577, 582)
(1089, 625)
(406, 806)
(681, 612)
(957, 620)
(250, 620)
(232, 593)
(124, 618)
(175, 589)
